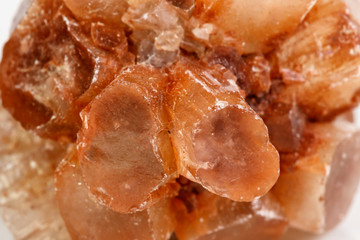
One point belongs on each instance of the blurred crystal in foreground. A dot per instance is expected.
(27, 192)
(179, 119)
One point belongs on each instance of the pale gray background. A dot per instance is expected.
(348, 230)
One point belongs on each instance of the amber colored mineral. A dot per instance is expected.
(106, 11)
(48, 63)
(219, 141)
(318, 182)
(179, 119)
(258, 23)
(252, 72)
(125, 152)
(86, 218)
(323, 54)
(203, 215)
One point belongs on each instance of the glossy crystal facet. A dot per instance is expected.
(179, 119)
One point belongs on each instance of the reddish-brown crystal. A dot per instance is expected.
(41, 66)
(107, 48)
(125, 150)
(47, 66)
(252, 72)
(179, 108)
(107, 11)
(219, 141)
(323, 57)
(86, 218)
(217, 218)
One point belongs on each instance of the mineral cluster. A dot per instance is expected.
(178, 119)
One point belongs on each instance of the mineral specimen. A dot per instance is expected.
(173, 118)
(156, 32)
(258, 24)
(318, 182)
(209, 216)
(219, 141)
(86, 218)
(125, 151)
(324, 54)
(48, 64)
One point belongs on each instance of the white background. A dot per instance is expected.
(348, 230)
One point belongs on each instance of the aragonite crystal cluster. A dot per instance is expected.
(178, 119)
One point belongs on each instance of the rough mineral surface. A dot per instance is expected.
(323, 54)
(51, 67)
(27, 194)
(323, 176)
(173, 118)
(256, 27)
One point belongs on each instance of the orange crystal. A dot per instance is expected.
(219, 141)
(318, 182)
(124, 147)
(86, 218)
(48, 65)
(212, 217)
(179, 115)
